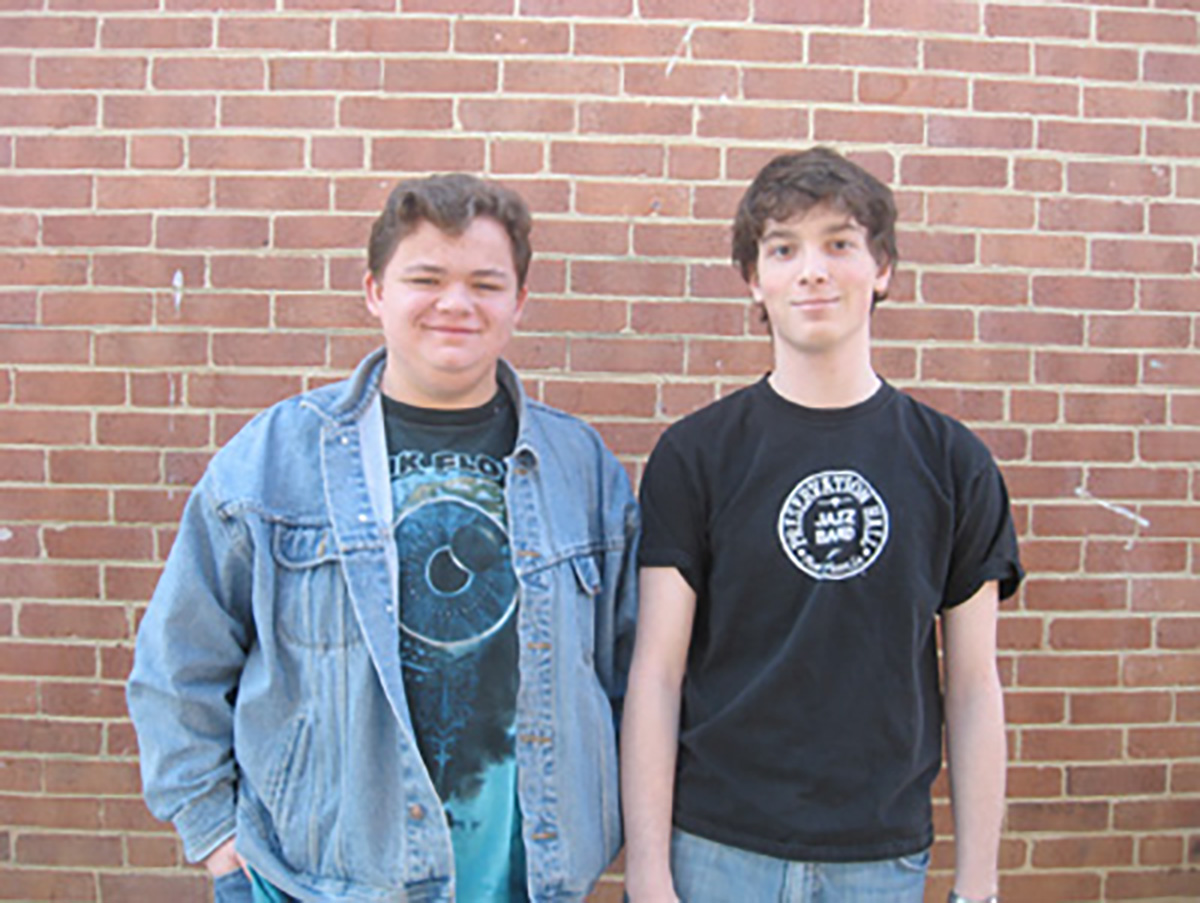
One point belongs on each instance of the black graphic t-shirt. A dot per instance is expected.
(458, 627)
(822, 546)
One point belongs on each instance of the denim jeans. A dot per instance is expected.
(710, 872)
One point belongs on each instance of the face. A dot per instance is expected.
(448, 306)
(816, 279)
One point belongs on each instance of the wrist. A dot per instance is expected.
(956, 897)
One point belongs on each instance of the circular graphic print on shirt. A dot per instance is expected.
(457, 582)
(833, 525)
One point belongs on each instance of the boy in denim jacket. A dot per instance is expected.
(389, 646)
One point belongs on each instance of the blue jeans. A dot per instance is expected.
(710, 872)
(235, 887)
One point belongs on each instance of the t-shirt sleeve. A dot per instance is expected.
(985, 540)
(674, 525)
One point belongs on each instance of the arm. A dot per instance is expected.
(650, 733)
(975, 740)
(191, 646)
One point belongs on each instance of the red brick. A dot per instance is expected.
(1156, 883)
(1083, 292)
(101, 467)
(595, 398)
(1161, 670)
(925, 15)
(1037, 175)
(1164, 742)
(1082, 852)
(188, 887)
(1135, 103)
(48, 111)
(1175, 219)
(158, 32)
(914, 323)
(989, 56)
(69, 389)
(562, 77)
(1113, 409)
(70, 851)
(604, 8)
(338, 153)
(223, 73)
(424, 155)
(1156, 814)
(1142, 256)
(42, 346)
(627, 277)
(94, 701)
(48, 884)
(283, 111)
(1032, 22)
(976, 131)
(690, 318)
(402, 35)
(275, 273)
(626, 355)
(276, 349)
(877, 51)
(510, 37)
(627, 41)
(1058, 671)
(1033, 781)
(558, 315)
(1088, 368)
(1178, 633)
(728, 357)
(1146, 28)
(1089, 138)
(740, 44)
(974, 288)
(1171, 142)
(1172, 67)
(45, 191)
(151, 192)
(1082, 62)
(41, 31)
(975, 365)
(326, 74)
(156, 151)
(683, 80)
(868, 127)
(1100, 633)
(1087, 215)
(1031, 327)
(1170, 446)
(1139, 482)
(1116, 780)
(280, 33)
(1057, 816)
(565, 236)
(715, 9)
(927, 91)
(1118, 179)
(1024, 707)
(1160, 851)
(245, 152)
(130, 584)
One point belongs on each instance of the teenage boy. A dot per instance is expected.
(802, 539)
(385, 656)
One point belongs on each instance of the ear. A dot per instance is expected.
(522, 297)
(373, 294)
(755, 285)
(883, 278)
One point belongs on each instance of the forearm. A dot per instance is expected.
(977, 760)
(649, 741)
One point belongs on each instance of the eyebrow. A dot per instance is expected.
(848, 225)
(433, 269)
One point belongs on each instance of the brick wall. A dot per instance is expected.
(185, 193)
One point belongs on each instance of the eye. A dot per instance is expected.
(488, 287)
(421, 281)
(780, 251)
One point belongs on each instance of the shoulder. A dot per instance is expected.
(711, 421)
(943, 436)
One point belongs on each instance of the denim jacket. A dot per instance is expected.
(266, 689)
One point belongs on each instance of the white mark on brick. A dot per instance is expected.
(1119, 510)
(5, 534)
(177, 285)
(1155, 364)
(682, 49)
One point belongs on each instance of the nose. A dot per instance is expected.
(812, 269)
(455, 297)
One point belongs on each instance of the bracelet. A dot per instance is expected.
(956, 897)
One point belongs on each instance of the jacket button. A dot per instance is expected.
(416, 812)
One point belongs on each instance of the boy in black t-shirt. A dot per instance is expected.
(803, 538)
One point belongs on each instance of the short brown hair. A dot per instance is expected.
(793, 184)
(449, 202)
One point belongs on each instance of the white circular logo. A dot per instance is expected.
(833, 525)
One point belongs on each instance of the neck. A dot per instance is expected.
(818, 382)
(446, 395)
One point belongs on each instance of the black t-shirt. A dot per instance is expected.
(458, 599)
(822, 545)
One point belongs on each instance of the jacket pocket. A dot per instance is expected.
(312, 603)
(587, 582)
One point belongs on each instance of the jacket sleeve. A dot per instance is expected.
(616, 611)
(191, 646)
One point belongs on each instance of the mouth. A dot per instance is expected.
(812, 303)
